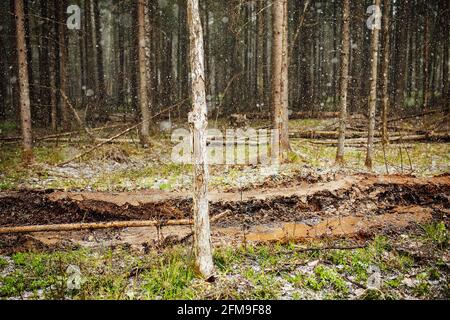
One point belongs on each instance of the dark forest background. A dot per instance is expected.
(96, 66)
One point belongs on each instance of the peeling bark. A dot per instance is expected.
(373, 93)
(198, 123)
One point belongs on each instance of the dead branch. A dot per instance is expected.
(98, 145)
(294, 115)
(300, 250)
(63, 134)
(361, 141)
(103, 225)
(415, 115)
(77, 117)
(92, 226)
(114, 137)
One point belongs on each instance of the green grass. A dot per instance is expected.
(3, 263)
(171, 278)
(437, 233)
(143, 178)
(244, 272)
(425, 159)
(8, 127)
(324, 276)
(13, 172)
(265, 287)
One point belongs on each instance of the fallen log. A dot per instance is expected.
(76, 140)
(91, 226)
(103, 225)
(295, 115)
(63, 134)
(433, 137)
(313, 134)
(426, 113)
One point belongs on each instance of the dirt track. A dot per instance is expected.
(354, 206)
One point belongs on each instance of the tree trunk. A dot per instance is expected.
(183, 73)
(260, 56)
(280, 86)
(99, 52)
(236, 68)
(31, 71)
(92, 38)
(143, 80)
(357, 58)
(63, 51)
(121, 92)
(426, 59)
(373, 93)
(134, 62)
(44, 80)
(385, 72)
(52, 51)
(25, 111)
(198, 122)
(446, 61)
(401, 53)
(82, 62)
(344, 80)
(149, 19)
(3, 75)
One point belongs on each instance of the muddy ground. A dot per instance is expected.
(357, 206)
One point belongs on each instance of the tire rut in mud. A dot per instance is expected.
(38, 207)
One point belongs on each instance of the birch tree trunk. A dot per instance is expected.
(198, 121)
(344, 80)
(143, 80)
(25, 110)
(373, 92)
(280, 86)
(385, 72)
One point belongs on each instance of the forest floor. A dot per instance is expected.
(308, 231)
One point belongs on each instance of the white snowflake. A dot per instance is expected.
(89, 93)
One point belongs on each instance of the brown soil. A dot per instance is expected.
(345, 206)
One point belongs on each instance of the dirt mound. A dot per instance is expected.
(40, 207)
(345, 206)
